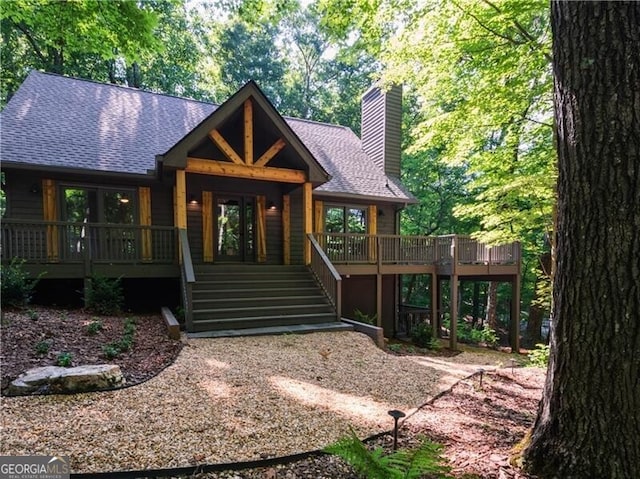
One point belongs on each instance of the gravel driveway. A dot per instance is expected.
(233, 399)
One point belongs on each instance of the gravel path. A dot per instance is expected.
(233, 399)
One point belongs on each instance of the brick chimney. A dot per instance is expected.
(382, 127)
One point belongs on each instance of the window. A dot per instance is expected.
(91, 205)
(345, 219)
(109, 207)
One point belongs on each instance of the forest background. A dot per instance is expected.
(478, 147)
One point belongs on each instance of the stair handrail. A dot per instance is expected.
(187, 277)
(326, 274)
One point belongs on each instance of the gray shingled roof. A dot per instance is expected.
(54, 121)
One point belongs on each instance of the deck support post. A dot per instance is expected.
(453, 333)
(435, 320)
(379, 299)
(514, 328)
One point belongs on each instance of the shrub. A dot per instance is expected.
(395, 347)
(16, 286)
(539, 357)
(375, 464)
(105, 296)
(64, 359)
(365, 318)
(42, 348)
(421, 335)
(94, 327)
(111, 350)
(488, 336)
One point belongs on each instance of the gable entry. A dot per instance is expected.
(245, 138)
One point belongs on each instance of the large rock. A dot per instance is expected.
(54, 379)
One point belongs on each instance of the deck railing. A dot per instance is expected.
(343, 248)
(187, 278)
(63, 242)
(327, 276)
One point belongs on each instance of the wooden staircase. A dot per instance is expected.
(234, 299)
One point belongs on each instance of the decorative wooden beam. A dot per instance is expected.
(50, 213)
(223, 168)
(180, 203)
(248, 132)
(319, 216)
(226, 148)
(372, 229)
(271, 152)
(207, 226)
(144, 204)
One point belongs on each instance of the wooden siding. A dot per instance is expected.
(207, 227)
(144, 201)
(381, 128)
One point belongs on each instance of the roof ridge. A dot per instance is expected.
(123, 87)
(315, 122)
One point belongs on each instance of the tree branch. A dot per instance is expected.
(490, 30)
(523, 31)
(31, 41)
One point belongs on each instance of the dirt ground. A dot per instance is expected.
(478, 424)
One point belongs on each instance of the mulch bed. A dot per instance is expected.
(67, 331)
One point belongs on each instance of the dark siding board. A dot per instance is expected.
(274, 235)
(388, 304)
(21, 203)
(297, 228)
(373, 105)
(381, 128)
(162, 205)
(194, 232)
(393, 131)
(358, 292)
(386, 221)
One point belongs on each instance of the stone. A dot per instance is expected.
(54, 379)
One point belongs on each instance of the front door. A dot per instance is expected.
(235, 228)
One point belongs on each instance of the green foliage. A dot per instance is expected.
(488, 336)
(77, 38)
(64, 359)
(395, 347)
(16, 286)
(105, 296)
(111, 350)
(539, 357)
(405, 464)
(365, 318)
(124, 344)
(422, 335)
(42, 348)
(94, 327)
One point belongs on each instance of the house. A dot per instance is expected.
(257, 220)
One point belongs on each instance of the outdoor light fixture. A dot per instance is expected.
(192, 199)
(124, 199)
(271, 205)
(395, 414)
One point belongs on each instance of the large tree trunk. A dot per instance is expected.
(491, 319)
(588, 424)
